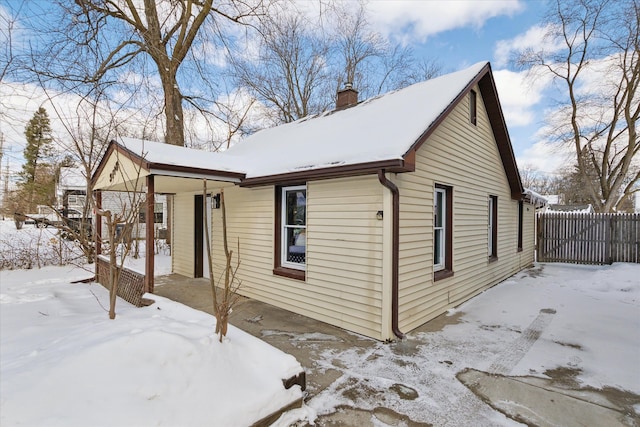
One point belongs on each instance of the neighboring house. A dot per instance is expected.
(375, 217)
(584, 208)
(71, 191)
(553, 199)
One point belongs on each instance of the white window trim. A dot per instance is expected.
(440, 265)
(284, 227)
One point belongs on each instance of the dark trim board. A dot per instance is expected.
(198, 232)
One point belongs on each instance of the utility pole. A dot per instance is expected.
(1, 147)
(6, 180)
(6, 177)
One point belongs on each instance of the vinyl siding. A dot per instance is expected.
(465, 157)
(115, 201)
(344, 251)
(182, 235)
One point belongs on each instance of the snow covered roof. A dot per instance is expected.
(378, 129)
(72, 179)
(158, 153)
(534, 198)
(379, 133)
(584, 208)
(552, 199)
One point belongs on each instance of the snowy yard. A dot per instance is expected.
(576, 325)
(63, 362)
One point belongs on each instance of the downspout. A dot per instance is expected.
(395, 250)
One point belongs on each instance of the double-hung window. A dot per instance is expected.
(157, 213)
(442, 232)
(291, 231)
(439, 228)
(493, 227)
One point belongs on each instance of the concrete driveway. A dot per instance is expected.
(403, 390)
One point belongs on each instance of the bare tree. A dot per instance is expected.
(223, 304)
(538, 181)
(290, 74)
(121, 34)
(595, 58)
(368, 60)
(302, 62)
(7, 35)
(234, 113)
(89, 121)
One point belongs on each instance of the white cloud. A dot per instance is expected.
(519, 95)
(69, 117)
(210, 53)
(546, 157)
(535, 38)
(417, 20)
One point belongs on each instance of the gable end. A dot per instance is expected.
(485, 82)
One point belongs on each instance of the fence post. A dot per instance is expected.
(538, 235)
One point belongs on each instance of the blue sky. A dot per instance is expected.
(455, 34)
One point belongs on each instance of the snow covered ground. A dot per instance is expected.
(64, 363)
(576, 324)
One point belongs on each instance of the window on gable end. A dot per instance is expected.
(473, 107)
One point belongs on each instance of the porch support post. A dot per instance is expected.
(97, 229)
(149, 252)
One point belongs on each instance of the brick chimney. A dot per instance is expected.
(346, 97)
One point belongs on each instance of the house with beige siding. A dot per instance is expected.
(375, 217)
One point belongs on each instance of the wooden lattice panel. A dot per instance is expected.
(130, 284)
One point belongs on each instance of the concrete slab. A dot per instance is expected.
(536, 401)
(533, 401)
(302, 337)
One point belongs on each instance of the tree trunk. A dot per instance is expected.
(172, 108)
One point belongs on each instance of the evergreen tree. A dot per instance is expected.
(37, 173)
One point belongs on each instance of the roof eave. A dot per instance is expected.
(393, 165)
(163, 168)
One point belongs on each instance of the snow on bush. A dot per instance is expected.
(33, 247)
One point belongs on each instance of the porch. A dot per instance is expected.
(302, 337)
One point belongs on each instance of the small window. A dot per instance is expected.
(473, 112)
(72, 199)
(442, 232)
(291, 231)
(493, 227)
(158, 216)
(520, 224)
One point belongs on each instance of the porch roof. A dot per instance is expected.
(128, 161)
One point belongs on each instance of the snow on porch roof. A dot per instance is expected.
(165, 156)
(381, 129)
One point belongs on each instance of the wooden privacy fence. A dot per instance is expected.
(588, 238)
